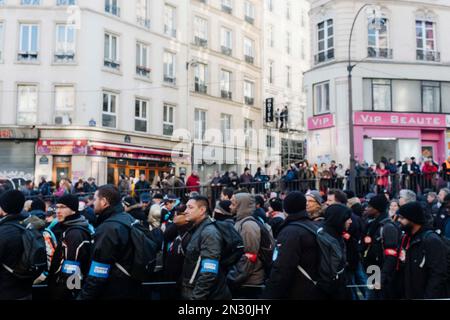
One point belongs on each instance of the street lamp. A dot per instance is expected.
(376, 23)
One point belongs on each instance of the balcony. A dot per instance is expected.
(226, 94)
(65, 56)
(249, 59)
(201, 88)
(169, 79)
(249, 101)
(114, 10)
(227, 9)
(428, 55)
(201, 42)
(170, 31)
(112, 64)
(143, 22)
(381, 53)
(249, 19)
(27, 56)
(324, 56)
(226, 51)
(143, 71)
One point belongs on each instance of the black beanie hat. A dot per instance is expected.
(276, 204)
(295, 202)
(12, 202)
(70, 201)
(413, 211)
(379, 202)
(37, 204)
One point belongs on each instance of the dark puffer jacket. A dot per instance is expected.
(203, 278)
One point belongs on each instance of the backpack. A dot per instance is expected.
(33, 261)
(233, 246)
(446, 243)
(332, 260)
(145, 250)
(266, 244)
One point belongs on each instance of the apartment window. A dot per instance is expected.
(30, 2)
(227, 6)
(226, 41)
(143, 13)
(249, 12)
(65, 43)
(288, 77)
(169, 67)
(112, 7)
(303, 18)
(111, 59)
(322, 98)
(225, 126)
(169, 21)
(426, 41)
(201, 73)
(1, 41)
(168, 123)
(378, 40)
(200, 32)
(302, 48)
(248, 133)
(325, 41)
(249, 50)
(381, 95)
(142, 63)
(200, 124)
(27, 104)
(288, 10)
(109, 114)
(140, 115)
(271, 71)
(64, 99)
(249, 92)
(269, 4)
(288, 42)
(431, 96)
(270, 36)
(225, 84)
(66, 2)
(28, 50)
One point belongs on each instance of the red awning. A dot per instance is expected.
(128, 149)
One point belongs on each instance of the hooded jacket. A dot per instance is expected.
(249, 270)
(11, 249)
(73, 247)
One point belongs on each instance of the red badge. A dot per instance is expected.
(367, 240)
(346, 235)
(402, 256)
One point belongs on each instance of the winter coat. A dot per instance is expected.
(193, 183)
(276, 220)
(141, 187)
(203, 277)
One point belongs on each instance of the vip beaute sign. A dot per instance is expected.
(400, 119)
(321, 122)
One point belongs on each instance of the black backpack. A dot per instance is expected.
(332, 260)
(266, 244)
(33, 261)
(446, 243)
(233, 246)
(145, 248)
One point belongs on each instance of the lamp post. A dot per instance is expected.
(375, 24)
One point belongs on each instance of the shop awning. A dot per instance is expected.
(128, 149)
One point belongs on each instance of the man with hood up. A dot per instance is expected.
(73, 250)
(249, 270)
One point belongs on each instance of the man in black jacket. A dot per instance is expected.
(142, 186)
(203, 278)
(295, 246)
(381, 242)
(73, 250)
(112, 251)
(11, 248)
(425, 264)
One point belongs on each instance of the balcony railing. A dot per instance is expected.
(169, 79)
(143, 22)
(201, 42)
(64, 56)
(170, 31)
(226, 94)
(201, 88)
(249, 59)
(143, 71)
(249, 19)
(114, 10)
(384, 53)
(428, 55)
(227, 9)
(324, 56)
(112, 64)
(27, 56)
(249, 101)
(227, 51)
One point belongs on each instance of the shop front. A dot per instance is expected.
(399, 135)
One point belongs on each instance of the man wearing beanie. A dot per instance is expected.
(11, 247)
(222, 212)
(38, 209)
(73, 249)
(314, 205)
(380, 247)
(276, 215)
(423, 256)
(296, 246)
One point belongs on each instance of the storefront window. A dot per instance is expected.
(431, 96)
(381, 95)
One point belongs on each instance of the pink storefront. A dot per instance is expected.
(399, 135)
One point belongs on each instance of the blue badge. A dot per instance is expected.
(70, 267)
(275, 254)
(99, 270)
(210, 266)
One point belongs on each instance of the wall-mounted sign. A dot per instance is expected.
(321, 122)
(61, 147)
(15, 133)
(43, 160)
(400, 119)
